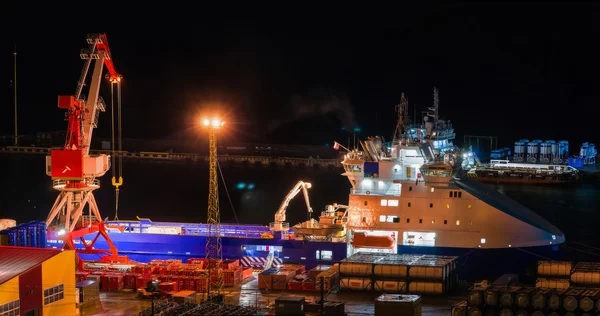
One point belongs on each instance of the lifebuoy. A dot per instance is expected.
(368, 192)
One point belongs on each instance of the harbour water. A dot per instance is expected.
(177, 191)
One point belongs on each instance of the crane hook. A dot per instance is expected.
(117, 184)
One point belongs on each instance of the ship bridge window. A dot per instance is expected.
(383, 202)
(326, 255)
(263, 248)
(432, 189)
(389, 219)
(392, 202)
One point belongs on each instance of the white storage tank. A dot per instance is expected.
(533, 150)
(356, 284)
(356, 269)
(545, 152)
(390, 286)
(519, 151)
(586, 278)
(429, 269)
(7, 223)
(555, 268)
(552, 283)
(563, 149)
(390, 270)
(423, 287)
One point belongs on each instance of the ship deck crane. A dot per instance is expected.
(73, 170)
(280, 225)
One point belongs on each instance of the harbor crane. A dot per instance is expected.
(74, 171)
(280, 225)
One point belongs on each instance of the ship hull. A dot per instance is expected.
(473, 264)
(515, 180)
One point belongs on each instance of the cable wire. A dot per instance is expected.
(227, 191)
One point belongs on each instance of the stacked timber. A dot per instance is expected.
(554, 274)
(398, 273)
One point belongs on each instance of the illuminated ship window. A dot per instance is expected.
(470, 222)
(447, 205)
(408, 204)
(318, 255)
(384, 202)
(432, 189)
(469, 205)
(457, 222)
(445, 222)
(431, 205)
(326, 255)
(382, 218)
(483, 240)
(392, 202)
(433, 221)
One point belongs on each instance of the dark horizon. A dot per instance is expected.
(512, 71)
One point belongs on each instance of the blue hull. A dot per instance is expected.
(473, 264)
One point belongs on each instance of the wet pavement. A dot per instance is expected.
(356, 303)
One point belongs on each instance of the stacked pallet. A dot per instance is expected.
(398, 273)
(174, 275)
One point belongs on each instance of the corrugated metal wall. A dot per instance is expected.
(58, 270)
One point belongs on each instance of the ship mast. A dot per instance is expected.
(401, 124)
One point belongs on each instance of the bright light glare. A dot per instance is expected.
(215, 122)
(61, 232)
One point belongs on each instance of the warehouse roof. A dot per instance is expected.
(17, 260)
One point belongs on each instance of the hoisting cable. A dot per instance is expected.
(227, 191)
(120, 164)
(112, 142)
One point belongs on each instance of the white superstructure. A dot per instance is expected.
(408, 192)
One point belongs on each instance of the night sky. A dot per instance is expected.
(286, 74)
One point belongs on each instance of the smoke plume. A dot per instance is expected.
(316, 104)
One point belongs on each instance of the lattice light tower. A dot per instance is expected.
(213, 252)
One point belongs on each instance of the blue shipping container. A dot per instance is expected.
(21, 236)
(576, 162)
(41, 234)
(31, 235)
(12, 237)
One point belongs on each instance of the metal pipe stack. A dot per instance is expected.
(398, 273)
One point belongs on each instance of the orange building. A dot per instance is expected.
(37, 281)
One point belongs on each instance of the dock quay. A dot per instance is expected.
(259, 161)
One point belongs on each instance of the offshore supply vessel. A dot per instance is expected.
(407, 196)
